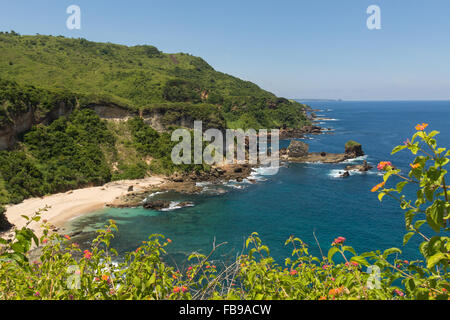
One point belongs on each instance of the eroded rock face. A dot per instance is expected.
(298, 152)
(157, 205)
(297, 149)
(354, 148)
(360, 167)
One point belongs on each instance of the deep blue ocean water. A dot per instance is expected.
(300, 199)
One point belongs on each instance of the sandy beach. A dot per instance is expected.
(65, 206)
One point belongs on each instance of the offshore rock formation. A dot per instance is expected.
(359, 167)
(298, 152)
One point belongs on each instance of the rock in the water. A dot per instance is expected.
(130, 188)
(297, 149)
(360, 167)
(354, 148)
(157, 205)
(346, 174)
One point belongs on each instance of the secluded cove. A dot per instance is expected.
(300, 199)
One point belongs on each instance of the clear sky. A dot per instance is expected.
(295, 49)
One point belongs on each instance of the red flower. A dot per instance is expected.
(184, 289)
(176, 289)
(87, 254)
(383, 164)
(293, 272)
(338, 240)
(67, 237)
(398, 292)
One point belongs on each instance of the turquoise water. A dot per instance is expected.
(300, 199)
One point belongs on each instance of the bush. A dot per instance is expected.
(65, 272)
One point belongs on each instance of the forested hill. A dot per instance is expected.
(57, 95)
(140, 77)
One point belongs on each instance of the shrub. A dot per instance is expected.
(64, 271)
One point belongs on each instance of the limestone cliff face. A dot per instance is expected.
(24, 122)
(8, 133)
(159, 119)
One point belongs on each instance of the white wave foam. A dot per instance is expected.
(327, 119)
(152, 195)
(353, 160)
(202, 184)
(337, 173)
(174, 205)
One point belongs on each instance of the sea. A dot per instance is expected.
(309, 201)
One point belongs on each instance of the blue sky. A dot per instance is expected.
(296, 49)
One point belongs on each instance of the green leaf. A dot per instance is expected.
(397, 149)
(435, 259)
(390, 251)
(332, 252)
(360, 260)
(347, 248)
(401, 185)
(381, 195)
(406, 237)
(435, 215)
(418, 224)
(433, 133)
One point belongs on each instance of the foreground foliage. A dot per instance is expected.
(64, 271)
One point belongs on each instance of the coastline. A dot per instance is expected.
(63, 207)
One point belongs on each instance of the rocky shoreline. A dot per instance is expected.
(184, 184)
(189, 183)
(298, 151)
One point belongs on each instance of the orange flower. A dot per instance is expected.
(383, 164)
(67, 237)
(378, 186)
(105, 277)
(169, 241)
(323, 298)
(421, 127)
(414, 166)
(176, 289)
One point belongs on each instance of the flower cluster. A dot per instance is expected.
(338, 240)
(384, 165)
(421, 127)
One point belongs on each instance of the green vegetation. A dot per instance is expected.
(141, 77)
(49, 84)
(351, 143)
(63, 271)
(55, 158)
(16, 100)
(39, 75)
